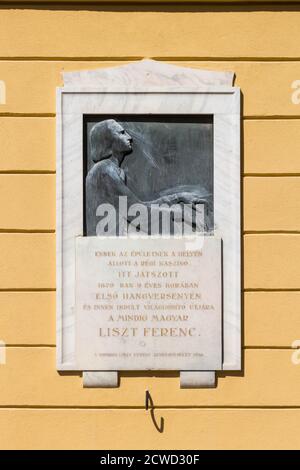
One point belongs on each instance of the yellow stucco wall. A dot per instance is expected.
(258, 408)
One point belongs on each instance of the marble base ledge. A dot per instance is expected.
(188, 379)
(103, 379)
(197, 379)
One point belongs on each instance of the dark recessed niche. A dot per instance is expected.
(168, 152)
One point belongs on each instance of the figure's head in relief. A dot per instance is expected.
(109, 138)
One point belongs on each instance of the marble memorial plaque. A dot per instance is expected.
(148, 191)
(148, 303)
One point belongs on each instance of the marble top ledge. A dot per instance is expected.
(147, 73)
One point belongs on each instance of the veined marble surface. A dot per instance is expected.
(147, 74)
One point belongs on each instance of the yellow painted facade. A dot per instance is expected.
(257, 408)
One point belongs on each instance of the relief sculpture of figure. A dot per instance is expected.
(106, 180)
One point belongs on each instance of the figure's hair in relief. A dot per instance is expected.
(101, 140)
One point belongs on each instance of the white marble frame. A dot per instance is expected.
(223, 102)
